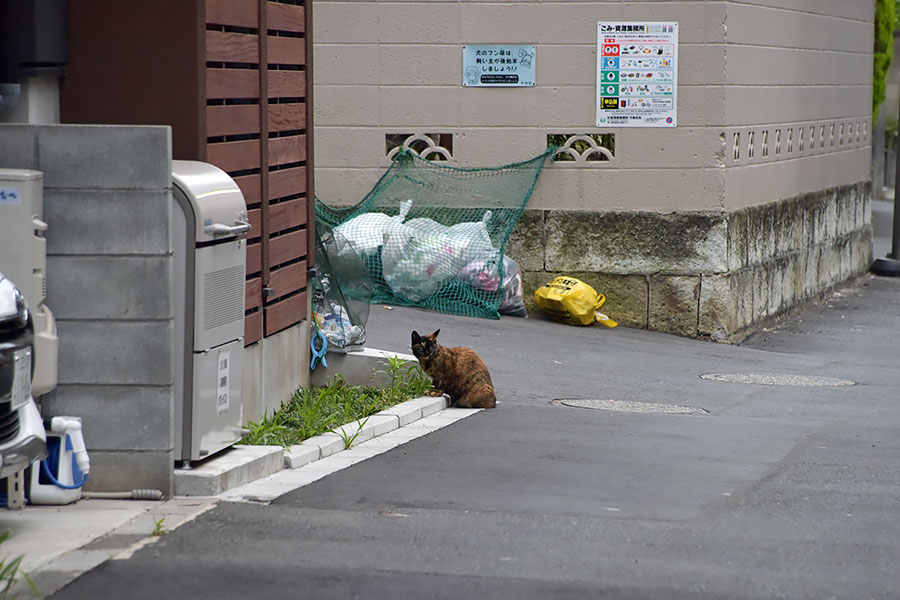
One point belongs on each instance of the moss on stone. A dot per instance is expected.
(639, 242)
(674, 304)
(526, 243)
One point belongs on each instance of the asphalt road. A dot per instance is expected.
(775, 492)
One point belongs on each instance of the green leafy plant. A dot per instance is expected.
(315, 410)
(345, 435)
(885, 22)
(158, 528)
(9, 574)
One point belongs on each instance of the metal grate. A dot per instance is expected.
(223, 294)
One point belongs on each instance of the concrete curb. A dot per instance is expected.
(230, 469)
(242, 464)
(362, 367)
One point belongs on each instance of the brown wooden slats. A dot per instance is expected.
(253, 293)
(287, 247)
(286, 84)
(252, 190)
(287, 182)
(234, 156)
(239, 13)
(232, 120)
(285, 313)
(288, 279)
(254, 215)
(287, 117)
(254, 258)
(253, 328)
(232, 83)
(285, 268)
(287, 150)
(232, 47)
(286, 50)
(286, 215)
(286, 17)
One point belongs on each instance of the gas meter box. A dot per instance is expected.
(210, 220)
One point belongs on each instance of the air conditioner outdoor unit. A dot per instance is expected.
(23, 260)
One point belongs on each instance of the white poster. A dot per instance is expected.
(495, 65)
(637, 74)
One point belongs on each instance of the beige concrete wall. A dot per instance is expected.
(792, 66)
(386, 67)
(754, 77)
(765, 66)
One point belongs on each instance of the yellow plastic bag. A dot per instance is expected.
(573, 301)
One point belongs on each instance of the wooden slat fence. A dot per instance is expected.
(256, 119)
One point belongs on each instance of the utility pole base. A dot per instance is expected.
(887, 267)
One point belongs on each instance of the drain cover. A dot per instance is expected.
(778, 379)
(630, 406)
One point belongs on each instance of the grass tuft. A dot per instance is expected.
(313, 411)
(9, 574)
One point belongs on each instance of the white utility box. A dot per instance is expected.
(210, 220)
(23, 260)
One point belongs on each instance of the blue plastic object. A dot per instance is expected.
(318, 354)
(50, 465)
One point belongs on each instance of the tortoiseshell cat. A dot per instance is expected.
(458, 372)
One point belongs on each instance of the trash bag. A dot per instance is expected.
(513, 302)
(483, 274)
(416, 262)
(419, 255)
(364, 234)
(571, 300)
(342, 292)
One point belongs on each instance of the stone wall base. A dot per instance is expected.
(713, 275)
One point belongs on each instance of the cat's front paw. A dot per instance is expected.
(434, 393)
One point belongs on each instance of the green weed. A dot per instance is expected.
(9, 574)
(313, 411)
(158, 528)
(345, 435)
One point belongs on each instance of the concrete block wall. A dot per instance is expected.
(796, 67)
(107, 202)
(396, 67)
(658, 226)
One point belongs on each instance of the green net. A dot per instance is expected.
(434, 236)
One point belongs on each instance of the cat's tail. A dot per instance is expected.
(480, 395)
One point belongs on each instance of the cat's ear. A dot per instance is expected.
(435, 334)
(416, 338)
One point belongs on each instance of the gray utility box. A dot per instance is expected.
(209, 221)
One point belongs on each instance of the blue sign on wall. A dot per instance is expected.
(499, 65)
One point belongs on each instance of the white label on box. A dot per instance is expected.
(222, 382)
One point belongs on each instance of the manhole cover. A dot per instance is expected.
(630, 406)
(778, 379)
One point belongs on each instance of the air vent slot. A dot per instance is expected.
(223, 293)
